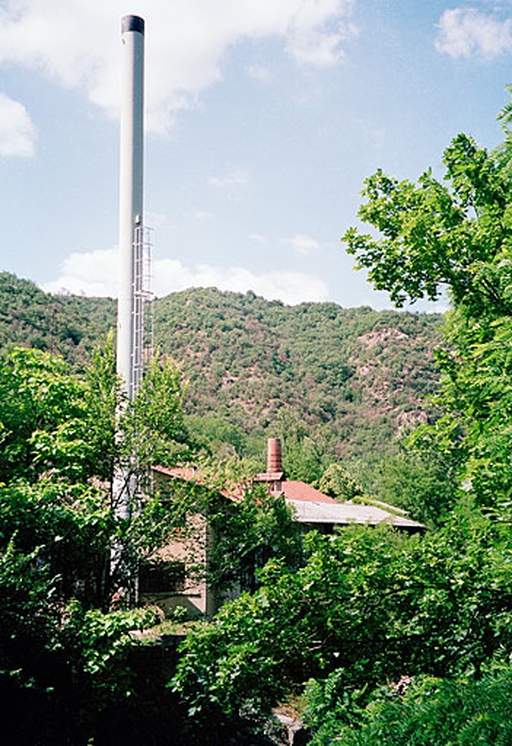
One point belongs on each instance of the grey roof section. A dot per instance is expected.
(307, 511)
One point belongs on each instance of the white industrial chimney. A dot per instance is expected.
(131, 240)
(131, 231)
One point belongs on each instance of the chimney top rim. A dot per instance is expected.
(132, 23)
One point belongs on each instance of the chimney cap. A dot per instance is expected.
(132, 23)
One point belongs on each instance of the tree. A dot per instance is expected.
(371, 605)
(338, 482)
(456, 238)
(452, 611)
(436, 236)
(40, 404)
(62, 649)
(303, 448)
(414, 712)
(421, 479)
(62, 656)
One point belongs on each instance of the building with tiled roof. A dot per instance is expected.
(311, 509)
(315, 509)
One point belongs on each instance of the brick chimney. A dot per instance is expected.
(273, 477)
(274, 459)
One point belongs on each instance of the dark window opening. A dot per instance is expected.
(162, 577)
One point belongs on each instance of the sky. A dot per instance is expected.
(263, 118)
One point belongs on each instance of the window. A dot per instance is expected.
(162, 577)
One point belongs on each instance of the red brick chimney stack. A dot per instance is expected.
(274, 458)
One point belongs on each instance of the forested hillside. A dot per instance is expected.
(65, 324)
(342, 383)
(348, 380)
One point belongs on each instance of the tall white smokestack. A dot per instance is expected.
(129, 314)
(129, 330)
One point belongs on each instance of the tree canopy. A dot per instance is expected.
(435, 236)
(62, 646)
(455, 237)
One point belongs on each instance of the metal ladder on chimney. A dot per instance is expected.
(143, 338)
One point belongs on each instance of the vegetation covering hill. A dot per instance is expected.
(342, 381)
(334, 383)
(65, 324)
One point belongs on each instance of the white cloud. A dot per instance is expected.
(200, 215)
(17, 131)
(290, 287)
(94, 273)
(261, 73)
(304, 244)
(235, 178)
(315, 46)
(464, 32)
(76, 42)
(258, 238)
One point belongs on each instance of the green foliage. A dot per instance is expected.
(333, 381)
(456, 236)
(28, 613)
(39, 400)
(248, 534)
(372, 605)
(304, 454)
(70, 526)
(101, 399)
(63, 664)
(60, 324)
(97, 645)
(346, 375)
(338, 482)
(460, 712)
(421, 481)
(477, 395)
(429, 237)
(61, 649)
(53, 421)
(58, 453)
(217, 435)
(453, 607)
(153, 427)
(70, 444)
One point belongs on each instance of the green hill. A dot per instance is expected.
(350, 379)
(334, 383)
(67, 325)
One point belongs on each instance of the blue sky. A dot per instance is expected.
(263, 119)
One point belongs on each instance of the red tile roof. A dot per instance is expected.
(295, 490)
(309, 504)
